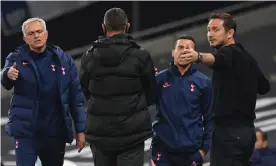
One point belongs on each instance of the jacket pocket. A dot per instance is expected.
(20, 121)
(21, 114)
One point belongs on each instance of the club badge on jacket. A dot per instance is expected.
(62, 68)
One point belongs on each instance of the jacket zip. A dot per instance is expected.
(59, 65)
(38, 92)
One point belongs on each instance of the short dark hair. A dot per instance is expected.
(228, 20)
(185, 37)
(264, 134)
(115, 19)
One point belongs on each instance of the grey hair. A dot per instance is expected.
(25, 23)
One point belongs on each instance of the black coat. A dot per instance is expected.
(118, 79)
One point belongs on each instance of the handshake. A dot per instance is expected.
(13, 72)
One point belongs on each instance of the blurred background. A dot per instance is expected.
(155, 25)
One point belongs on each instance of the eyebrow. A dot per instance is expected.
(214, 26)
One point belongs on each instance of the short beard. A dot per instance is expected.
(218, 46)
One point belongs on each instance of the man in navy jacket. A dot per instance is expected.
(46, 92)
(263, 155)
(183, 125)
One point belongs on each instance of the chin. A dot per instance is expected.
(183, 65)
(216, 46)
(38, 46)
(213, 45)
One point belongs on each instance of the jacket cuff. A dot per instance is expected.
(5, 74)
(5, 79)
(80, 127)
(205, 148)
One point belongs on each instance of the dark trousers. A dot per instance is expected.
(129, 157)
(50, 151)
(163, 157)
(232, 145)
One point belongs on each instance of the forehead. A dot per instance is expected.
(184, 42)
(215, 23)
(35, 25)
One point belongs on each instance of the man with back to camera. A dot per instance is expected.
(118, 79)
(263, 155)
(183, 125)
(237, 79)
(46, 92)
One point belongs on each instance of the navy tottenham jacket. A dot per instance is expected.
(264, 157)
(23, 112)
(184, 118)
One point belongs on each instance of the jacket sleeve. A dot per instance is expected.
(263, 83)
(206, 110)
(77, 100)
(149, 81)
(87, 59)
(5, 81)
(223, 59)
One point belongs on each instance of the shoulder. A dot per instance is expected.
(232, 50)
(57, 50)
(201, 76)
(203, 79)
(141, 54)
(18, 51)
(89, 53)
(162, 75)
(226, 50)
(62, 55)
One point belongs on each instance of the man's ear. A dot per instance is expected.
(173, 52)
(104, 28)
(46, 34)
(230, 33)
(127, 27)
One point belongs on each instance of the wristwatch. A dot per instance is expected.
(199, 58)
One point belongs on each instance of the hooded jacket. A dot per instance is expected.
(118, 79)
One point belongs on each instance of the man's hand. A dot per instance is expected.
(190, 56)
(13, 72)
(202, 153)
(182, 60)
(80, 139)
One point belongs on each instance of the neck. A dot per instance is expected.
(229, 42)
(38, 50)
(109, 34)
(182, 69)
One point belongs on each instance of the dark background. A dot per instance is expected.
(85, 25)
(81, 27)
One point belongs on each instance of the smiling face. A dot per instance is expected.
(35, 35)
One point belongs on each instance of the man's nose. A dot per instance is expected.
(210, 34)
(36, 35)
(185, 50)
